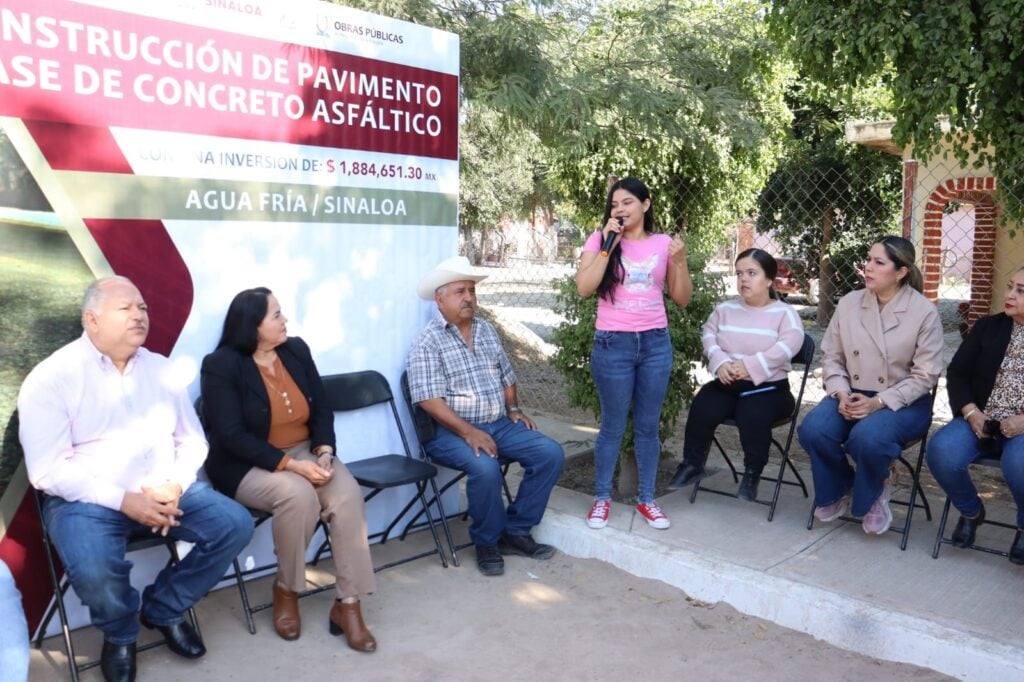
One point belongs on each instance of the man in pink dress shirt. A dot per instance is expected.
(112, 440)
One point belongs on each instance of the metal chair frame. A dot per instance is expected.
(940, 536)
(804, 357)
(915, 488)
(61, 585)
(426, 429)
(355, 391)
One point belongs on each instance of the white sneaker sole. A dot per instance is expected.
(596, 523)
(660, 524)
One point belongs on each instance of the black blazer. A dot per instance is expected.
(236, 411)
(971, 374)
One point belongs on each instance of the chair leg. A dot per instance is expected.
(504, 482)
(420, 488)
(58, 595)
(778, 486)
(444, 522)
(942, 529)
(810, 517)
(243, 594)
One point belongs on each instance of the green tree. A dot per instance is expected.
(959, 58)
(829, 199)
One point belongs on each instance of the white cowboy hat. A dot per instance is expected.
(454, 269)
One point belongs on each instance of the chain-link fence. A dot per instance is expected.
(967, 248)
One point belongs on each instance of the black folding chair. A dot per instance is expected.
(259, 517)
(804, 357)
(915, 487)
(136, 543)
(426, 429)
(940, 536)
(360, 390)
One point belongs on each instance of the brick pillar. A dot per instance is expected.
(978, 191)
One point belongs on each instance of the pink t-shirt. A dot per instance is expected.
(638, 302)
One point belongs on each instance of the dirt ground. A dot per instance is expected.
(563, 619)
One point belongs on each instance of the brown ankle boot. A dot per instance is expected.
(348, 618)
(286, 612)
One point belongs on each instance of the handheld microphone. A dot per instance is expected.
(606, 245)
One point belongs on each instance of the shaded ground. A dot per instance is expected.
(563, 619)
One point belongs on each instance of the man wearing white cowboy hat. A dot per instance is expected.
(460, 375)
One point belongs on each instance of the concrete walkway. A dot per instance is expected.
(962, 614)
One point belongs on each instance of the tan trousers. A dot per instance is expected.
(296, 504)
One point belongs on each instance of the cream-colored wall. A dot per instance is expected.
(1009, 252)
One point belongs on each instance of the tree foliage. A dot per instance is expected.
(829, 199)
(961, 58)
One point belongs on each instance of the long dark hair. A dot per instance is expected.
(767, 263)
(245, 315)
(901, 252)
(614, 272)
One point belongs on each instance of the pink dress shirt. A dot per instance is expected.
(91, 434)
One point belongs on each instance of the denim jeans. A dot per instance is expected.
(872, 442)
(630, 368)
(13, 630)
(91, 542)
(541, 459)
(954, 446)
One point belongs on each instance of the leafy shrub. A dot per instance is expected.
(574, 338)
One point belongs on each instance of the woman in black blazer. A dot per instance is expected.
(985, 381)
(272, 448)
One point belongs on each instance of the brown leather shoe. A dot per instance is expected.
(286, 612)
(348, 618)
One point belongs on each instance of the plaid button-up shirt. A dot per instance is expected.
(440, 365)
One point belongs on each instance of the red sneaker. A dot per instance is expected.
(598, 516)
(653, 515)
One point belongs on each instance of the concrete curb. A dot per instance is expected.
(843, 621)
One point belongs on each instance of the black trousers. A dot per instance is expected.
(754, 415)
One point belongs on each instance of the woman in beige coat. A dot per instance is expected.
(881, 356)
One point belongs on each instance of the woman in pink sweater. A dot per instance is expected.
(749, 344)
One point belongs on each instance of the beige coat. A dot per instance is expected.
(897, 352)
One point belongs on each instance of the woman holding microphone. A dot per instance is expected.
(627, 264)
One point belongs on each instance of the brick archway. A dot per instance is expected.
(973, 190)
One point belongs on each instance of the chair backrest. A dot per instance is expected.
(805, 357)
(356, 390)
(426, 427)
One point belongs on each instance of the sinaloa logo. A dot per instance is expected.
(250, 8)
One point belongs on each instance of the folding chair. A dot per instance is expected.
(940, 537)
(259, 517)
(360, 390)
(61, 584)
(426, 429)
(915, 488)
(804, 357)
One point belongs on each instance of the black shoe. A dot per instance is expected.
(524, 545)
(686, 474)
(118, 662)
(1017, 550)
(489, 561)
(181, 637)
(966, 528)
(748, 485)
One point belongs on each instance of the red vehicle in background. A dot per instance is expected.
(791, 279)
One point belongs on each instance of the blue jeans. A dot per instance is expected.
(872, 442)
(91, 541)
(13, 630)
(540, 457)
(630, 368)
(954, 446)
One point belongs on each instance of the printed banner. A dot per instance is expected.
(201, 147)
